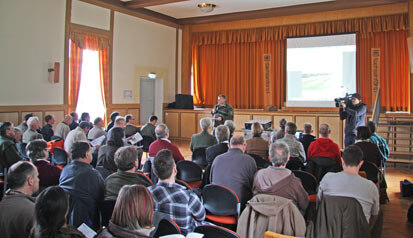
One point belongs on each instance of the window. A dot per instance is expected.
(90, 95)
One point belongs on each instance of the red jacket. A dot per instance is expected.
(324, 147)
(159, 144)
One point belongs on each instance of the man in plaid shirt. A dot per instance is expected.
(182, 205)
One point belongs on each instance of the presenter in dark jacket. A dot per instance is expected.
(222, 111)
(355, 115)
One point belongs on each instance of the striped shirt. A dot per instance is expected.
(182, 206)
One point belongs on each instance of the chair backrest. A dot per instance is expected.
(59, 156)
(308, 181)
(146, 142)
(103, 171)
(188, 171)
(148, 169)
(106, 210)
(220, 200)
(166, 227)
(144, 177)
(183, 183)
(372, 172)
(260, 162)
(295, 163)
(319, 166)
(199, 157)
(210, 231)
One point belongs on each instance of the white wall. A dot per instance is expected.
(141, 47)
(90, 15)
(31, 40)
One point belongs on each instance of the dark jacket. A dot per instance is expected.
(86, 188)
(226, 112)
(47, 132)
(8, 151)
(106, 157)
(116, 181)
(148, 130)
(131, 130)
(306, 141)
(73, 125)
(340, 217)
(355, 116)
(202, 140)
(65, 232)
(120, 232)
(109, 126)
(48, 174)
(371, 152)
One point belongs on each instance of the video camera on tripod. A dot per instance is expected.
(346, 99)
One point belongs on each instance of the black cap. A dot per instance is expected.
(356, 95)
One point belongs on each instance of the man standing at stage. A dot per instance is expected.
(355, 115)
(222, 111)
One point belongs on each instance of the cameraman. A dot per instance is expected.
(355, 114)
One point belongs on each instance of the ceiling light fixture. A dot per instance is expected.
(206, 7)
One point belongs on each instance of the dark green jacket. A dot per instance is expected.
(202, 140)
(8, 151)
(226, 112)
(117, 180)
(148, 130)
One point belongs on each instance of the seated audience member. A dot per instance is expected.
(222, 135)
(84, 184)
(113, 116)
(296, 148)
(33, 125)
(379, 141)
(203, 139)
(47, 130)
(9, 154)
(107, 152)
(17, 206)
(235, 170)
(307, 138)
(231, 126)
(349, 183)
(279, 134)
(78, 134)
(18, 135)
(127, 160)
(182, 205)
(371, 152)
(162, 142)
(149, 128)
(23, 126)
(130, 128)
(120, 122)
(257, 145)
(324, 146)
(97, 130)
(50, 215)
(280, 181)
(132, 215)
(84, 117)
(48, 174)
(74, 123)
(62, 129)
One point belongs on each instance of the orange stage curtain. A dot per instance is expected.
(394, 69)
(231, 62)
(75, 72)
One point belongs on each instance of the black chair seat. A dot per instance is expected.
(199, 157)
(216, 232)
(372, 172)
(59, 156)
(319, 166)
(188, 171)
(166, 227)
(308, 181)
(260, 162)
(295, 163)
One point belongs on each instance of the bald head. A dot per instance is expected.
(324, 130)
(238, 141)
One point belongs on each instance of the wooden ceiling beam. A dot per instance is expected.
(148, 3)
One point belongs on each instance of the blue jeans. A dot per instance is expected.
(349, 140)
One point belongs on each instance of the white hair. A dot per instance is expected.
(32, 120)
(205, 123)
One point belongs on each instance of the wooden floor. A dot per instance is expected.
(395, 213)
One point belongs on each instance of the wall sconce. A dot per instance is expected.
(152, 75)
(54, 73)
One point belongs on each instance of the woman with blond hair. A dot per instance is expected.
(257, 145)
(132, 215)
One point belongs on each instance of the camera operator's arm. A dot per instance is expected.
(357, 111)
(343, 114)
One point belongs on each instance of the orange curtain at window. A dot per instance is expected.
(104, 74)
(75, 71)
(394, 69)
(237, 70)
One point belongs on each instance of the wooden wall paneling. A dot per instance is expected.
(264, 117)
(240, 119)
(58, 115)
(122, 111)
(334, 123)
(10, 116)
(199, 116)
(188, 125)
(301, 120)
(171, 119)
(135, 113)
(277, 119)
(39, 114)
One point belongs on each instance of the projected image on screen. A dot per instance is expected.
(320, 69)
